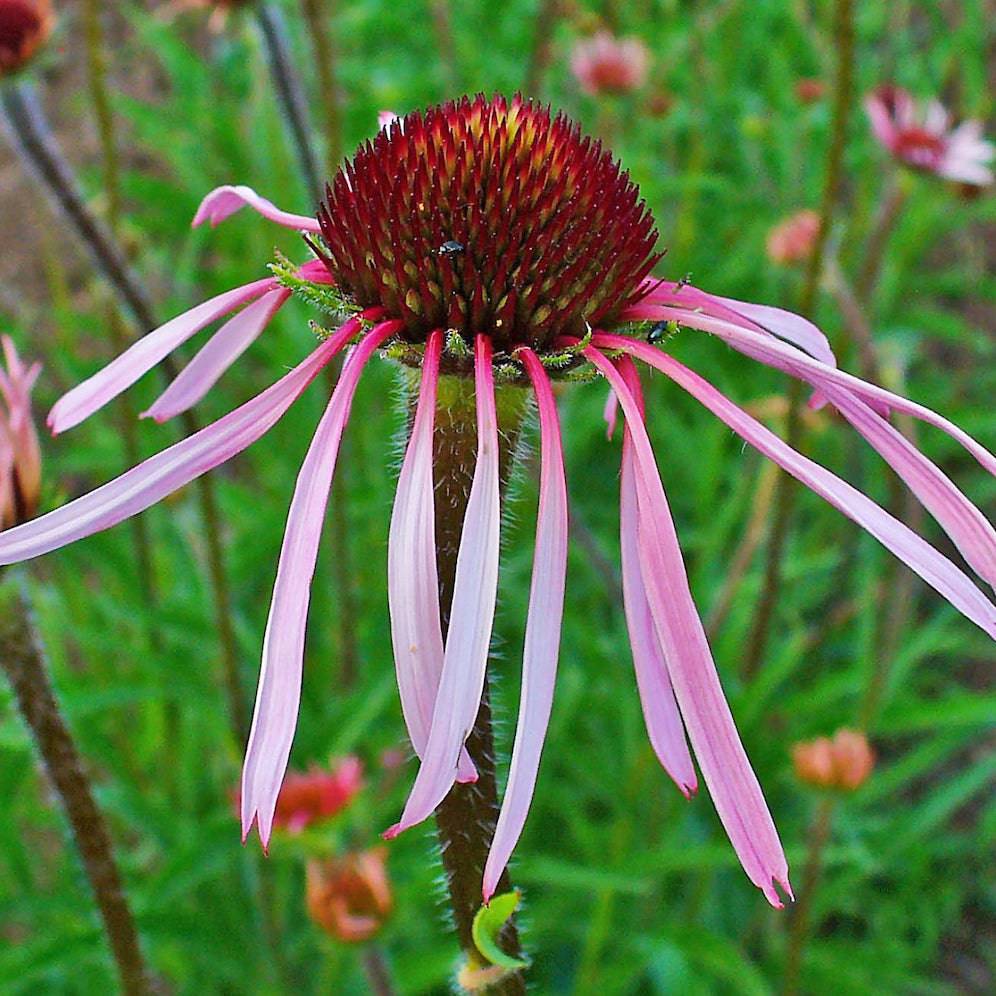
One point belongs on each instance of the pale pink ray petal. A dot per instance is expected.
(465, 659)
(542, 641)
(279, 693)
(223, 202)
(144, 485)
(87, 397)
(789, 360)
(216, 356)
(660, 710)
(961, 520)
(782, 324)
(610, 413)
(721, 756)
(412, 580)
(914, 551)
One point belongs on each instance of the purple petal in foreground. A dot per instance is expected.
(782, 357)
(721, 756)
(660, 710)
(412, 580)
(914, 551)
(223, 202)
(144, 485)
(216, 356)
(84, 399)
(465, 659)
(279, 693)
(542, 642)
(961, 520)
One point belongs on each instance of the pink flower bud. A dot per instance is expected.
(792, 240)
(843, 763)
(350, 897)
(605, 64)
(20, 458)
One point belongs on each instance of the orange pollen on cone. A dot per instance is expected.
(488, 216)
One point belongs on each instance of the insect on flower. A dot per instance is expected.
(564, 249)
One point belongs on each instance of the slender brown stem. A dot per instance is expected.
(541, 56)
(26, 125)
(819, 834)
(466, 817)
(785, 492)
(316, 15)
(290, 93)
(24, 663)
(886, 218)
(377, 972)
(442, 25)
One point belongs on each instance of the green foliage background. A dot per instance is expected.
(628, 888)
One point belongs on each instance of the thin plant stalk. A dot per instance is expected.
(541, 55)
(290, 95)
(887, 216)
(819, 834)
(376, 969)
(466, 818)
(442, 26)
(33, 140)
(23, 661)
(316, 16)
(785, 491)
(101, 104)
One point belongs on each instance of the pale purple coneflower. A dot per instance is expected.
(486, 241)
(20, 458)
(923, 138)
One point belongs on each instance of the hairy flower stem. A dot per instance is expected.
(290, 94)
(316, 15)
(819, 834)
(23, 661)
(785, 491)
(34, 141)
(466, 817)
(101, 104)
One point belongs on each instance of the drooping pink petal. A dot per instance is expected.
(144, 485)
(542, 641)
(279, 693)
(84, 399)
(961, 520)
(216, 356)
(721, 756)
(412, 580)
(782, 357)
(465, 659)
(914, 551)
(660, 710)
(223, 202)
(785, 325)
(610, 413)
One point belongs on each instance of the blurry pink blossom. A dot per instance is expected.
(792, 240)
(20, 460)
(923, 138)
(24, 26)
(605, 64)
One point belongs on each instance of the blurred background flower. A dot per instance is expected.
(604, 64)
(24, 27)
(349, 897)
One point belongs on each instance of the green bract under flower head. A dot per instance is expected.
(488, 216)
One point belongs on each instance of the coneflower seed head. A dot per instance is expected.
(489, 217)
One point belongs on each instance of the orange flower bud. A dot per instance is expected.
(24, 26)
(350, 897)
(844, 763)
(792, 240)
(20, 458)
(810, 90)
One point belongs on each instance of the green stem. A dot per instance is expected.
(819, 834)
(24, 663)
(316, 15)
(542, 52)
(785, 492)
(466, 817)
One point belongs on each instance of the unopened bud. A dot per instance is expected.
(350, 897)
(792, 240)
(605, 64)
(843, 763)
(24, 27)
(20, 457)
(809, 90)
